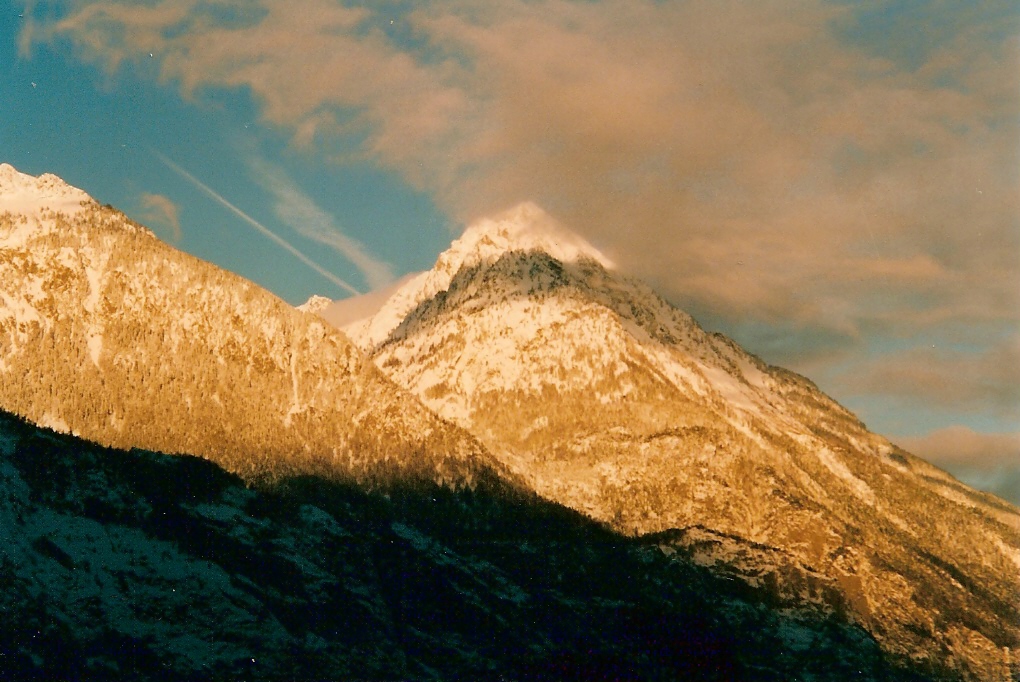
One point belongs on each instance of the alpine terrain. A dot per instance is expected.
(609, 400)
(110, 334)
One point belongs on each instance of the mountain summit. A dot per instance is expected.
(608, 399)
(523, 229)
(26, 194)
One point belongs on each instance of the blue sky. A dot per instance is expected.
(108, 134)
(834, 184)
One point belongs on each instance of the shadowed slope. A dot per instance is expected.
(132, 565)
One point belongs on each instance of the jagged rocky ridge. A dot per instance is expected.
(108, 333)
(136, 565)
(609, 400)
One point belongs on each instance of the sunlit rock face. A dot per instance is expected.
(609, 400)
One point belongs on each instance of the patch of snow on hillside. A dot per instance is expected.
(54, 422)
(94, 333)
(832, 462)
(682, 377)
(18, 308)
(95, 343)
(1011, 553)
(734, 392)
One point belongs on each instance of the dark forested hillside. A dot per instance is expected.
(134, 565)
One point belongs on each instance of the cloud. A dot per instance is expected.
(966, 381)
(961, 446)
(842, 171)
(305, 217)
(160, 213)
(265, 231)
(986, 461)
(757, 135)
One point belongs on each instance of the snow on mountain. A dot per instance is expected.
(524, 228)
(108, 333)
(26, 194)
(608, 399)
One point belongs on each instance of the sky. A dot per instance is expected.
(835, 185)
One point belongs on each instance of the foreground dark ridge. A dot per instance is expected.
(135, 565)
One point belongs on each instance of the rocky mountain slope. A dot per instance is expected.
(609, 400)
(134, 565)
(110, 334)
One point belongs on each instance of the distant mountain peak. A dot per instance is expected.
(525, 228)
(315, 304)
(607, 399)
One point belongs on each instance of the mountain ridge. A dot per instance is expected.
(111, 334)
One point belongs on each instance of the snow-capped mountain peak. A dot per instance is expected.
(609, 400)
(526, 228)
(315, 304)
(26, 194)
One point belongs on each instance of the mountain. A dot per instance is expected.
(110, 334)
(315, 305)
(140, 566)
(609, 400)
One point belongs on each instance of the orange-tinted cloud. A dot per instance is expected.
(987, 461)
(810, 164)
(958, 446)
(965, 381)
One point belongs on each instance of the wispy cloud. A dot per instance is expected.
(961, 446)
(304, 216)
(788, 138)
(979, 381)
(265, 231)
(160, 213)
